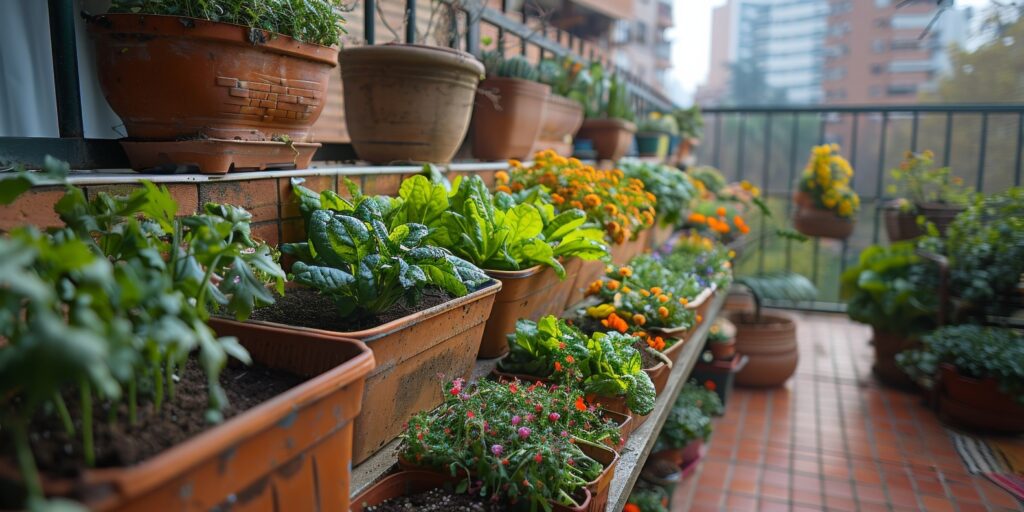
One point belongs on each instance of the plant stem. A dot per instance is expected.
(62, 411)
(86, 401)
(158, 387)
(26, 463)
(132, 401)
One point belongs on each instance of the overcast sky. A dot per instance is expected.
(692, 36)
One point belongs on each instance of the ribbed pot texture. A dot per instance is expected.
(770, 345)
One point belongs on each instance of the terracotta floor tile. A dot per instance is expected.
(775, 491)
(807, 498)
(740, 503)
(773, 506)
(936, 504)
(840, 504)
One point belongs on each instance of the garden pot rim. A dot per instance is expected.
(939, 205)
(222, 439)
(652, 133)
(609, 122)
(736, 363)
(213, 30)
(780, 320)
(565, 101)
(952, 369)
(519, 85)
(383, 330)
(419, 54)
(516, 274)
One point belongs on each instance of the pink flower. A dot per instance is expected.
(497, 450)
(554, 416)
(530, 417)
(524, 432)
(516, 420)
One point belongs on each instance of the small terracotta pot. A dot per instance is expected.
(887, 345)
(941, 214)
(562, 119)
(410, 351)
(281, 449)
(611, 137)
(617, 404)
(408, 103)
(815, 222)
(900, 225)
(770, 345)
(174, 78)
(722, 374)
(507, 118)
(625, 424)
(673, 352)
(723, 350)
(977, 403)
(652, 144)
(599, 486)
(525, 294)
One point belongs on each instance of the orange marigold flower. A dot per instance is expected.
(557, 199)
(612, 285)
(576, 204)
(645, 293)
(513, 163)
(569, 359)
(595, 287)
(662, 298)
(516, 187)
(639, 319)
(721, 211)
(580, 404)
(501, 176)
(663, 311)
(625, 271)
(611, 209)
(744, 229)
(656, 290)
(558, 366)
(615, 322)
(503, 188)
(656, 342)
(631, 507)
(737, 220)
(592, 200)
(684, 301)
(699, 319)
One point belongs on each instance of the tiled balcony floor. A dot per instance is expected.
(833, 439)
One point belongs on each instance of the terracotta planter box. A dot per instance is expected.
(410, 353)
(819, 223)
(900, 225)
(525, 294)
(507, 118)
(598, 488)
(611, 137)
(562, 119)
(977, 404)
(591, 271)
(283, 449)
(941, 214)
(660, 235)
(659, 375)
(770, 346)
(408, 103)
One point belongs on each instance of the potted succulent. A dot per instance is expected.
(563, 114)
(408, 102)
(509, 108)
(490, 436)
(250, 105)
(608, 122)
(894, 291)
(654, 134)
(673, 188)
(932, 192)
(691, 129)
(523, 244)
(379, 280)
(769, 339)
(109, 360)
(976, 373)
(825, 203)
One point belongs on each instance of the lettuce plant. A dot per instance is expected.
(351, 256)
(605, 364)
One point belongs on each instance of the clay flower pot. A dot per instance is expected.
(816, 222)
(899, 224)
(281, 449)
(977, 403)
(151, 75)
(525, 294)
(611, 137)
(599, 487)
(770, 346)
(410, 352)
(723, 351)
(507, 118)
(408, 103)
(652, 144)
(941, 214)
(562, 119)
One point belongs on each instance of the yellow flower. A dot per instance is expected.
(600, 311)
(514, 163)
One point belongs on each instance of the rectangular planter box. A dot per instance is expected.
(411, 352)
(525, 294)
(294, 448)
(599, 487)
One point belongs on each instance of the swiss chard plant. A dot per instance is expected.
(364, 266)
(605, 364)
(892, 289)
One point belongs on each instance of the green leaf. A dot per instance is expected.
(326, 279)
(523, 222)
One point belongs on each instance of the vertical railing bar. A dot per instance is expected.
(817, 254)
(369, 21)
(718, 140)
(742, 143)
(523, 18)
(913, 131)
(1020, 145)
(472, 34)
(947, 150)
(793, 142)
(981, 152)
(501, 31)
(879, 175)
(453, 33)
(764, 187)
(853, 164)
(410, 21)
(64, 51)
(821, 128)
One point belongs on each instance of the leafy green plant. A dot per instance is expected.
(690, 121)
(647, 498)
(354, 258)
(704, 399)
(976, 352)
(985, 246)
(503, 440)
(892, 289)
(919, 181)
(567, 78)
(685, 424)
(706, 259)
(606, 96)
(658, 123)
(312, 21)
(606, 364)
(673, 188)
(712, 179)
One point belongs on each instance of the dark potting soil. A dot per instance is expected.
(436, 500)
(648, 360)
(305, 307)
(119, 444)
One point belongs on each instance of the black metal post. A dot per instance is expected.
(522, 13)
(947, 149)
(472, 34)
(369, 21)
(765, 171)
(718, 140)
(410, 21)
(981, 152)
(741, 145)
(1020, 144)
(793, 140)
(881, 173)
(913, 132)
(65, 68)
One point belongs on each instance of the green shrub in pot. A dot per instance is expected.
(673, 188)
(892, 289)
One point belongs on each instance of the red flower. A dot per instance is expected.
(570, 359)
(710, 384)
(631, 507)
(580, 404)
(513, 388)
(469, 414)
(558, 366)
(538, 458)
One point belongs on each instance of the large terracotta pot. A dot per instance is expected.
(941, 214)
(408, 103)
(507, 117)
(611, 137)
(411, 352)
(899, 224)
(276, 452)
(820, 223)
(977, 403)
(525, 294)
(887, 345)
(562, 119)
(172, 78)
(770, 346)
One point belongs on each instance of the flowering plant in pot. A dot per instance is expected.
(106, 317)
(527, 445)
(510, 108)
(894, 291)
(691, 129)
(673, 188)
(250, 106)
(647, 498)
(976, 372)
(826, 205)
(722, 339)
(563, 114)
(522, 243)
(606, 365)
(708, 260)
(654, 134)
(929, 191)
(609, 116)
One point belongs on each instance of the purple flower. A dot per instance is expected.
(565, 434)
(497, 450)
(516, 420)
(554, 416)
(524, 432)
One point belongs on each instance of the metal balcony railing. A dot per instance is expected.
(769, 146)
